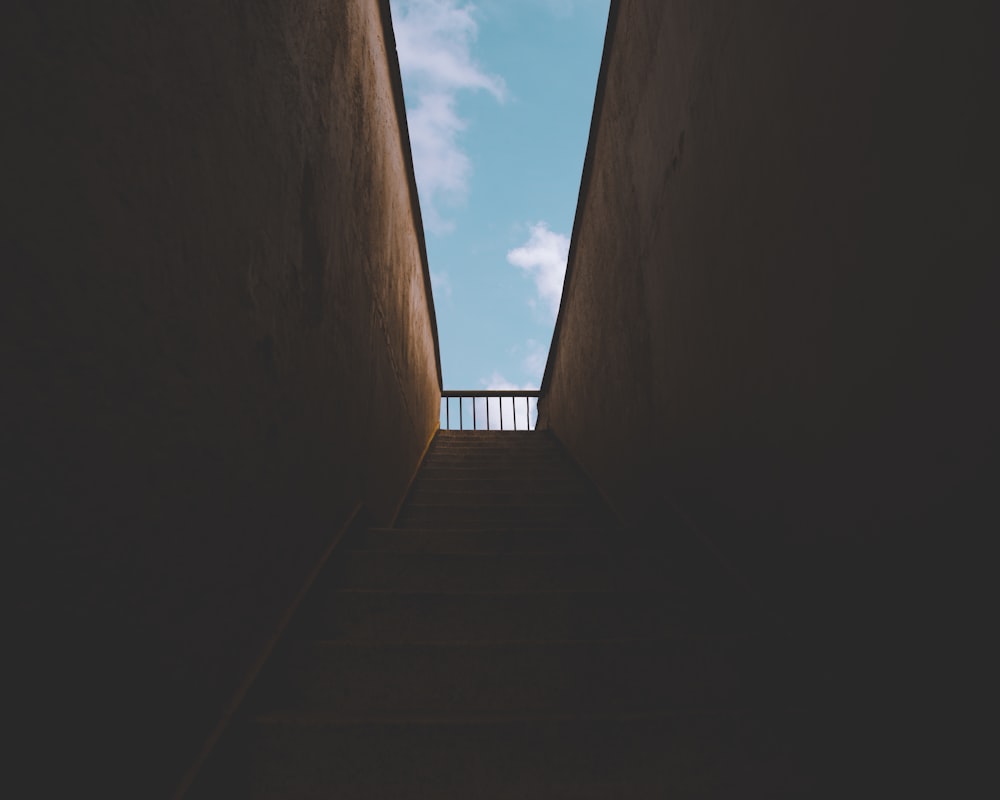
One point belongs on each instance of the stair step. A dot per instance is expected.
(549, 455)
(459, 496)
(515, 483)
(484, 437)
(517, 444)
(552, 467)
(495, 515)
(417, 572)
(498, 471)
(687, 754)
(483, 540)
(499, 453)
(499, 444)
(544, 449)
(361, 615)
(359, 679)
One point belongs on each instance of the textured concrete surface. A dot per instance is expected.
(217, 340)
(780, 313)
(779, 304)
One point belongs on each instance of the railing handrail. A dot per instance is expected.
(486, 395)
(492, 393)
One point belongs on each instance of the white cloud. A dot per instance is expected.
(499, 382)
(506, 409)
(543, 257)
(434, 41)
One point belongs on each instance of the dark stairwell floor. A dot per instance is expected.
(507, 640)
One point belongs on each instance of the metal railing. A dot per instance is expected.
(479, 408)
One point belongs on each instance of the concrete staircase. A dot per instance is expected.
(506, 640)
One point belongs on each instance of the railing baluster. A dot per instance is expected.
(487, 396)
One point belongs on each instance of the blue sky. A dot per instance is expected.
(499, 96)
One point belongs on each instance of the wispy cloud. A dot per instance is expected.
(543, 257)
(532, 356)
(434, 40)
(440, 284)
(560, 8)
(534, 361)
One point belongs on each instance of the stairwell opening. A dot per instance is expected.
(498, 102)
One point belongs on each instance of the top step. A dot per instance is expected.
(490, 445)
(494, 438)
(491, 434)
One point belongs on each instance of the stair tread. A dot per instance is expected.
(533, 676)
(364, 614)
(478, 572)
(496, 515)
(481, 541)
(423, 498)
(536, 757)
(501, 719)
(582, 642)
(515, 529)
(525, 593)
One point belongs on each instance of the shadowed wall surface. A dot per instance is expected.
(218, 340)
(779, 307)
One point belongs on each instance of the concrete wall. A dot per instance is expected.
(218, 339)
(780, 302)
